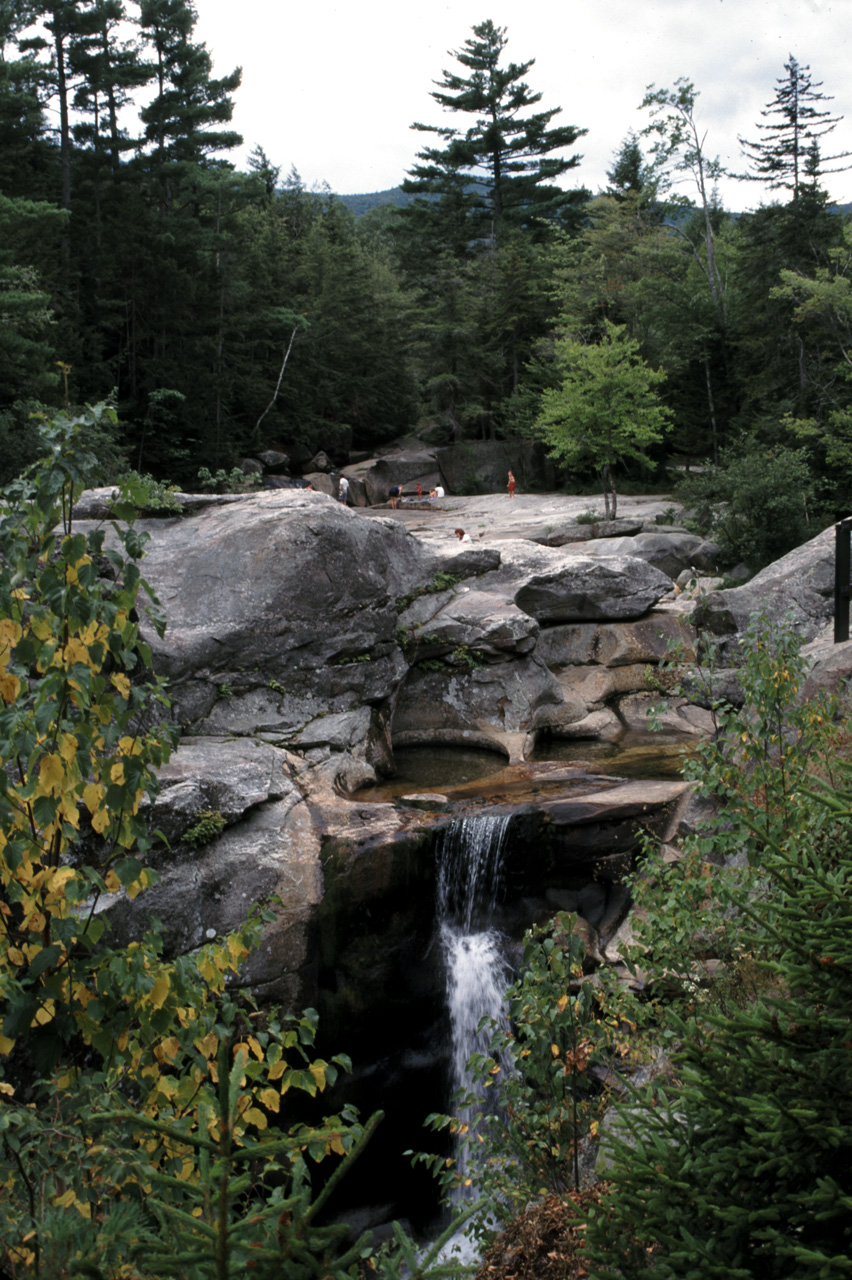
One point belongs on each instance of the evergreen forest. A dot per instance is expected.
(138, 263)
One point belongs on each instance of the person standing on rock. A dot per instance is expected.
(393, 494)
(511, 485)
(343, 490)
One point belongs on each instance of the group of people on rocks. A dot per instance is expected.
(395, 491)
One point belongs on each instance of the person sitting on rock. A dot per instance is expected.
(462, 536)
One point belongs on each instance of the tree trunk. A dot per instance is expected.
(609, 494)
(714, 433)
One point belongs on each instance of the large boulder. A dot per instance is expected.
(500, 704)
(799, 587)
(269, 847)
(482, 466)
(651, 639)
(565, 585)
(403, 469)
(281, 609)
(671, 553)
(475, 622)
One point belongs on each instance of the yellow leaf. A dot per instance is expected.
(68, 810)
(562, 1004)
(68, 747)
(44, 1014)
(6, 1088)
(111, 880)
(15, 955)
(100, 822)
(116, 773)
(6, 1045)
(256, 1117)
(133, 890)
(75, 652)
(554, 1049)
(168, 1048)
(208, 1045)
(122, 684)
(10, 634)
(58, 879)
(277, 1070)
(318, 1072)
(51, 775)
(93, 794)
(10, 686)
(160, 990)
(254, 1045)
(270, 1098)
(236, 947)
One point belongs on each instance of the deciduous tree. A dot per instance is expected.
(605, 410)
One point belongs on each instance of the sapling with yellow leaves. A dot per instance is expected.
(145, 1120)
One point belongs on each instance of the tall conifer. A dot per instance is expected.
(787, 155)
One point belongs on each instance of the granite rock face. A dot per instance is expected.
(799, 586)
(306, 641)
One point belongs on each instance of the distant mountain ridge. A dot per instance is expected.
(361, 204)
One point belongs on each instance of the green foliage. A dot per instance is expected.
(150, 496)
(605, 410)
(208, 825)
(741, 1166)
(758, 504)
(147, 1128)
(234, 481)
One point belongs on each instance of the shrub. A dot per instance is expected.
(758, 504)
(144, 1130)
(743, 1166)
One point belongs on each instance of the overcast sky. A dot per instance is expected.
(333, 88)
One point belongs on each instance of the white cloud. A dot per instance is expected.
(333, 88)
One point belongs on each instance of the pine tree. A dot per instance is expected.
(185, 119)
(787, 155)
(506, 156)
(739, 1167)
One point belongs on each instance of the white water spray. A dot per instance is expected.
(470, 866)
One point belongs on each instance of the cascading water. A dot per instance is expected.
(470, 865)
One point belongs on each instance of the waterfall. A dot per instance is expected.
(470, 865)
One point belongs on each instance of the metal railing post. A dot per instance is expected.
(842, 535)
